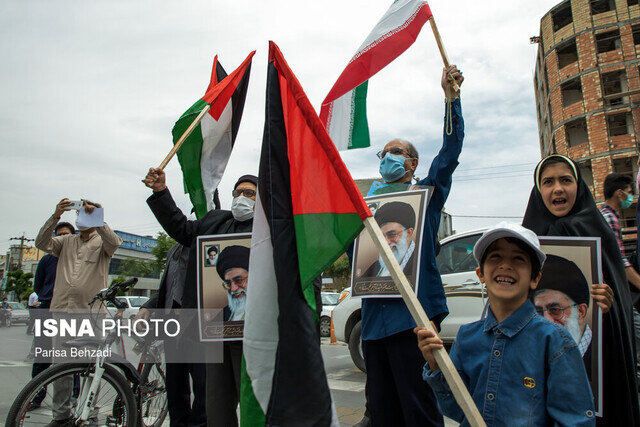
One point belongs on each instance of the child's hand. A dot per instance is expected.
(603, 296)
(427, 342)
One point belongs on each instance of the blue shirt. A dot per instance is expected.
(523, 371)
(382, 317)
(45, 277)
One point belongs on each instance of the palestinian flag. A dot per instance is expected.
(205, 153)
(344, 110)
(308, 212)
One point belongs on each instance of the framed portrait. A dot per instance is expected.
(401, 219)
(563, 296)
(223, 271)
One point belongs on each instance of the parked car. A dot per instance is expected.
(19, 313)
(466, 296)
(133, 305)
(329, 301)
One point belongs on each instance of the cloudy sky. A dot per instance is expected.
(91, 90)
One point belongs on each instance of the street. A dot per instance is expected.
(345, 380)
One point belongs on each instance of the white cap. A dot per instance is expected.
(508, 229)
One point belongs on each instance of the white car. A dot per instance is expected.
(133, 305)
(19, 313)
(466, 296)
(329, 301)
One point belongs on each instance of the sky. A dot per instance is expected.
(91, 90)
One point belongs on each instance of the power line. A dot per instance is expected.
(486, 216)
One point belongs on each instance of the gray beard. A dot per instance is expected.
(237, 305)
(573, 326)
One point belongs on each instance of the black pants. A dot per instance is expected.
(41, 312)
(396, 393)
(182, 412)
(223, 387)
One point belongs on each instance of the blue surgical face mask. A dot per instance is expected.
(392, 167)
(626, 202)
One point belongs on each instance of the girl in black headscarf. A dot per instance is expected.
(562, 205)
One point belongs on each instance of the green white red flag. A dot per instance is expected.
(205, 153)
(308, 211)
(344, 110)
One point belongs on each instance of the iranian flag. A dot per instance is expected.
(204, 154)
(308, 211)
(344, 110)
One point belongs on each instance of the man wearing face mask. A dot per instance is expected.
(221, 410)
(388, 343)
(83, 261)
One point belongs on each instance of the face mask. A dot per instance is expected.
(626, 202)
(392, 167)
(242, 208)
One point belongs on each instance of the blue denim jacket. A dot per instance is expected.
(523, 371)
(382, 317)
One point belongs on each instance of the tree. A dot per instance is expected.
(20, 283)
(163, 244)
(340, 271)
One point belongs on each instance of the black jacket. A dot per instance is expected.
(185, 232)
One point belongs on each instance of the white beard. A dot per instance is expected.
(573, 326)
(400, 249)
(237, 305)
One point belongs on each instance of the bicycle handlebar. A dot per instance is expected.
(109, 294)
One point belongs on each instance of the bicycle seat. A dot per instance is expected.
(84, 342)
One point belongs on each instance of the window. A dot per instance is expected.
(618, 124)
(614, 84)
(632, 2)
(567, 54)
(635, 30)
(571, 92)
(606, 42)
(457, 256)
(114, 266)
(601, 6)
(586, 171)
(576, 131)
(626, 166)
(562, 16)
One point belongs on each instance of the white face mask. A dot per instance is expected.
(242, 208)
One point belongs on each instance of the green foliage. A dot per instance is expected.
(121, 278)
(19, 282)
(164, 243)
(132, 267)
(340, 271)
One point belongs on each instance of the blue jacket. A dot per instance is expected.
(525, 370)
(382, 317)
(45, 277)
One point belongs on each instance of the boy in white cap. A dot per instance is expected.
(520, 368)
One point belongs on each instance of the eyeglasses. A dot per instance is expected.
(237, 280)
(246, 192)
(556, 312)
(394, 235)
(392, 150)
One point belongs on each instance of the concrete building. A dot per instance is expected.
(587, 87)
(139, 248)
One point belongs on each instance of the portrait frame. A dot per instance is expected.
(586, 253)
(212, 295)
(365, 254)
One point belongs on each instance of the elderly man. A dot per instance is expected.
(212, 255)
(395, 393)
(221, 392)
(397, 221)
(562, 296)
(81, 272)
(233, 269)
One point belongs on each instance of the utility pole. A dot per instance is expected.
(22, 247)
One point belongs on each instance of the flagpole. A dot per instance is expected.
(445, 364)
(443, 52)
(184, 136)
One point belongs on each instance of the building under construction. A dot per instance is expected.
(587, 86)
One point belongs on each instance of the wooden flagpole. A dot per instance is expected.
(443, 53)
(445, 364)
(184, 136)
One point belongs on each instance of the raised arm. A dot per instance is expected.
(45, 240)
(110, 240)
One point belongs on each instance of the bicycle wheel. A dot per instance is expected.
(114, 403)
(153, 395)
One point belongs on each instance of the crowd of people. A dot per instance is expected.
(524, 363)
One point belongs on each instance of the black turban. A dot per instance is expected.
(232, 257)
(246, 178)
(399, 212)
(562, 275)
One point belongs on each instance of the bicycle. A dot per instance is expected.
(112, 392)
